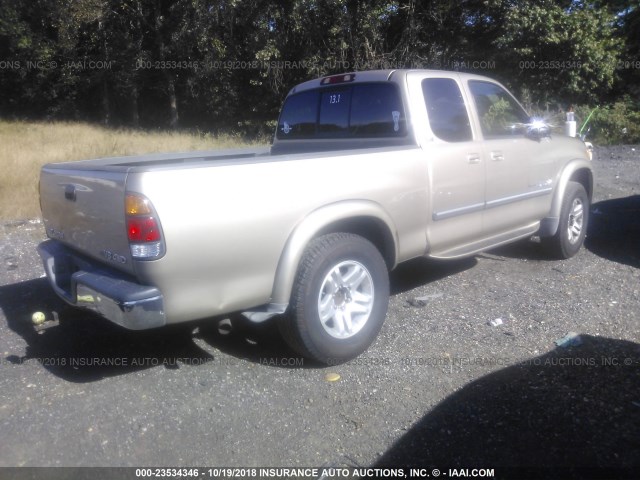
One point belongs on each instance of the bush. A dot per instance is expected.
(615, 124)
(612, 124)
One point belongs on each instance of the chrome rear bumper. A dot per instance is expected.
(114, 295)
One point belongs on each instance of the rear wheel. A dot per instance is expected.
(339, 299)
(574, 218)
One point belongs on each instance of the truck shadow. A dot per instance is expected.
(262, 343)
(422, 271)
(522, 250)
(555, 416)
(613, 234)
(614, 230)
(253, 342)
(79, 346)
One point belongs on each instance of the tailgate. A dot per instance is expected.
(84, 209)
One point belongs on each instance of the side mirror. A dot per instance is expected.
(537, 129)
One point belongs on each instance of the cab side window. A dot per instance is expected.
(500, 115)
(447, 112)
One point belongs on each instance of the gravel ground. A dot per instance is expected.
(441, 387)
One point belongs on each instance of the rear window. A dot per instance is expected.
(354, 111)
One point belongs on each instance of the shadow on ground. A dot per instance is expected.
(562, 415)
(422, 271)
(613, 234)
(80, 346)
(520, 250)
(614, 230)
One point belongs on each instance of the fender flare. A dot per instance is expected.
(575, 170)
(321, 221)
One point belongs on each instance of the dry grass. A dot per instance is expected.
(26, 146)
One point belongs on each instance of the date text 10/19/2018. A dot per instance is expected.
(311, 473)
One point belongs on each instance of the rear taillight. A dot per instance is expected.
(143, 228)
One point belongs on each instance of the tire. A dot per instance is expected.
(339, 299)
(574, 219)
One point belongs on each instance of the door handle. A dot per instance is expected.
(497, 156)
(473, 158)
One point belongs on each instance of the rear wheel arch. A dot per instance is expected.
(370, 228)
(365, 219)
(339, 299)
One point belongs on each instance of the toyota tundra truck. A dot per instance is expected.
(366, 170)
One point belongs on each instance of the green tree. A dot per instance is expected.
(558, 51)
(227, 64)
(30, 80)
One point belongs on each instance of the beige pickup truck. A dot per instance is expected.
(366, 170)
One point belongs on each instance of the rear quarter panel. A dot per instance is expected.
(226, 226)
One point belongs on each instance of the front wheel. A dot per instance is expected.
(339, 299)
(574, 218)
